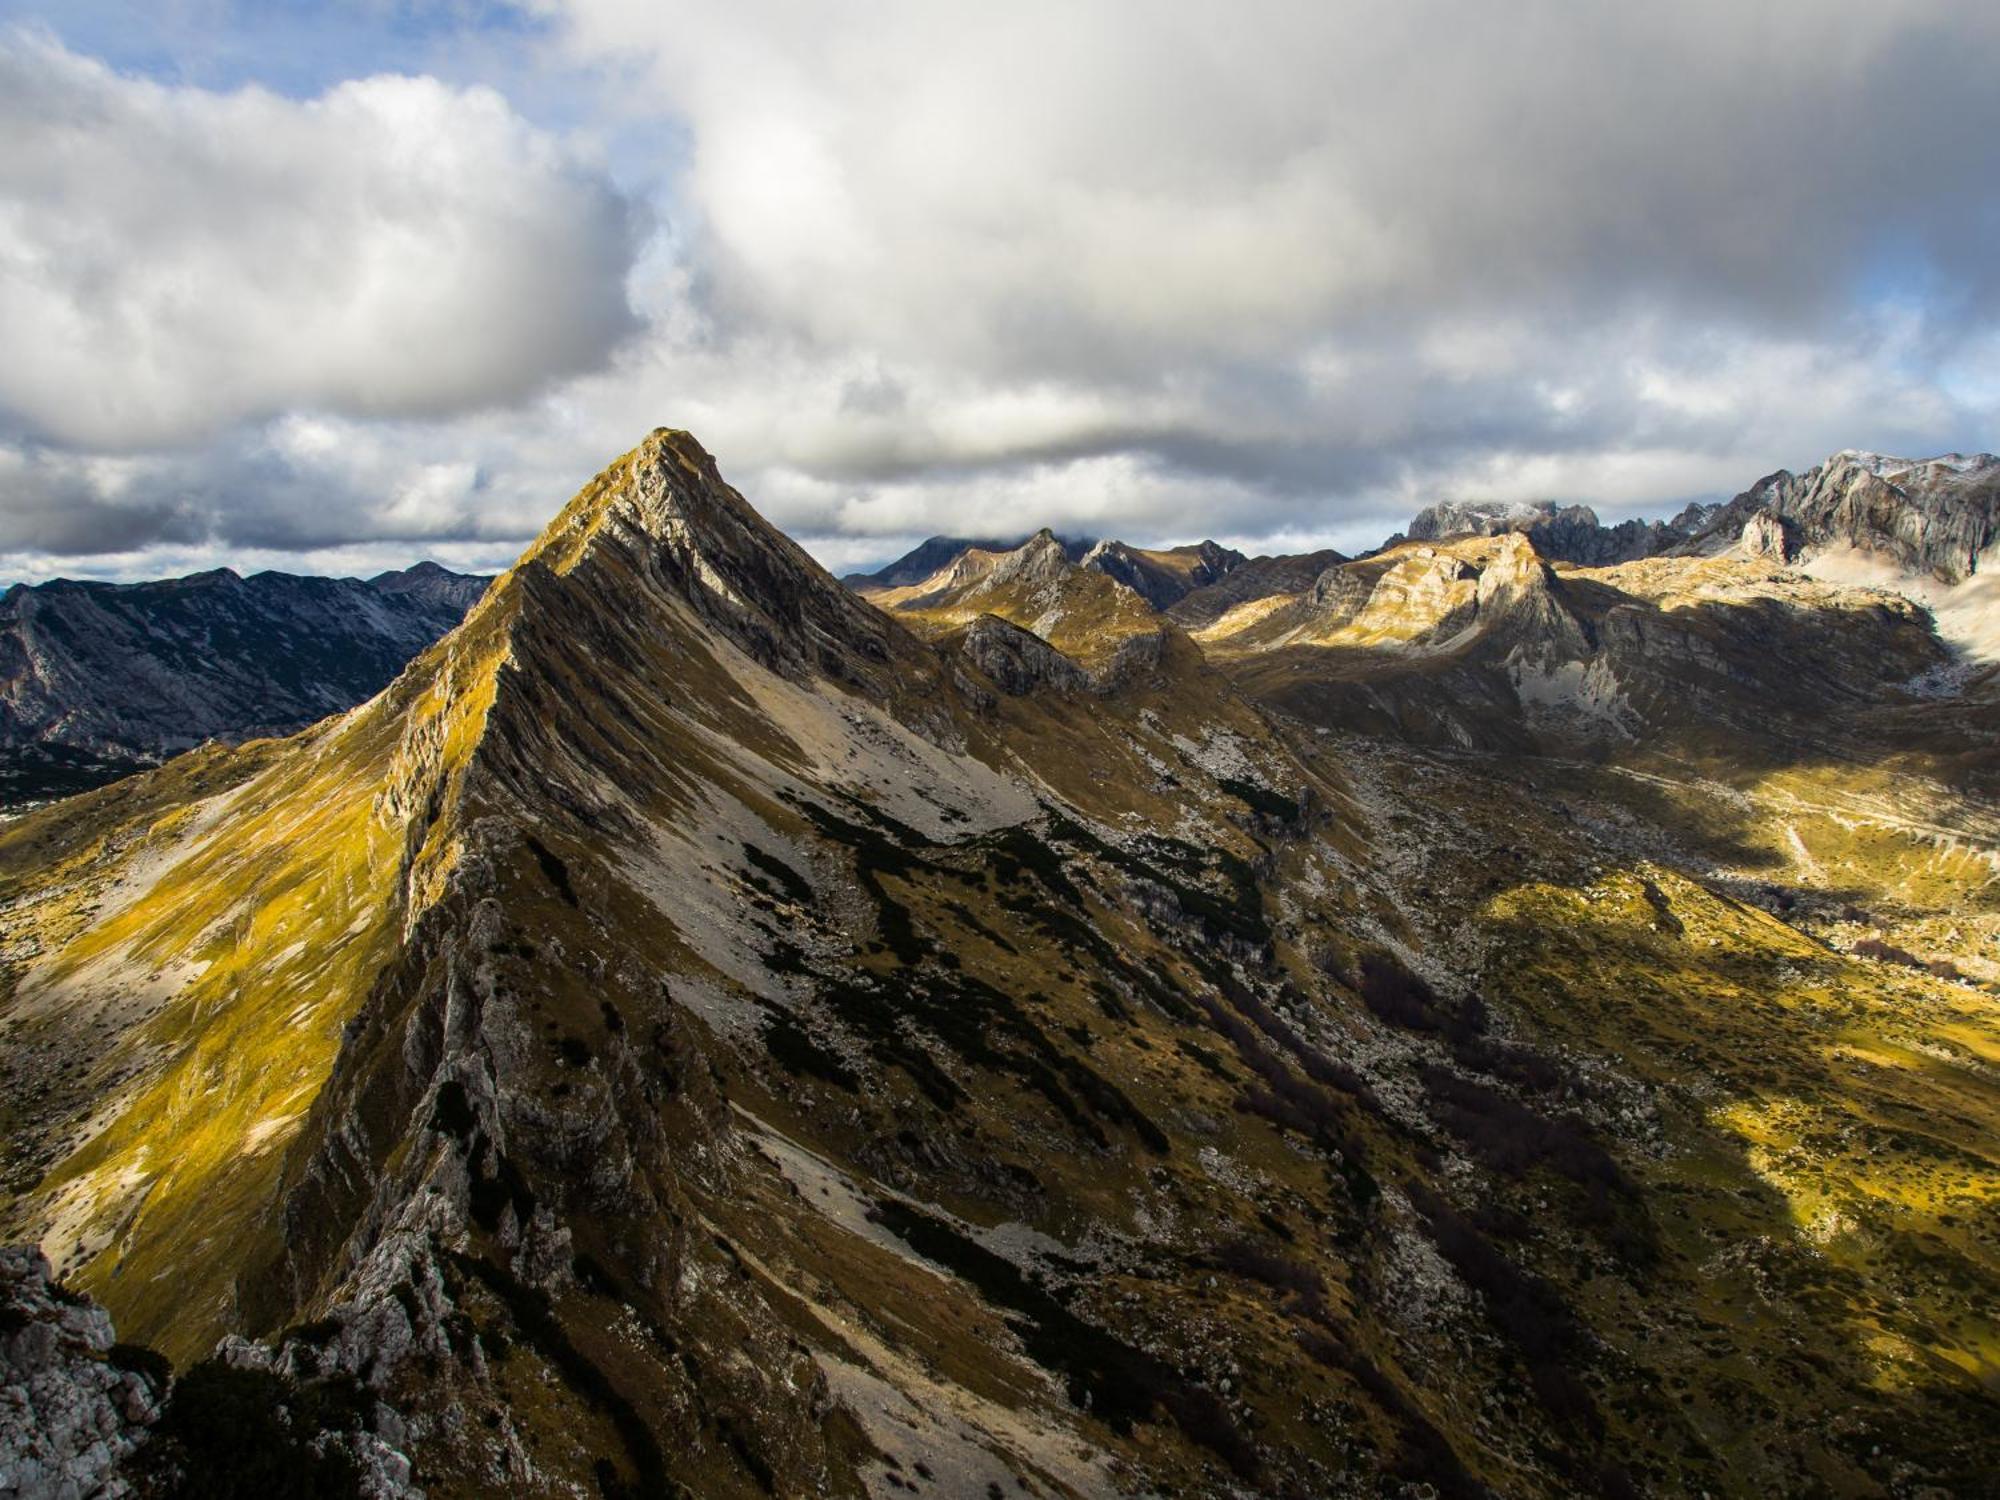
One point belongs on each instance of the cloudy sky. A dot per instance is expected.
(333, 287)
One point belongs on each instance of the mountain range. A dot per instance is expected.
(1048, 1020)
(98, 679)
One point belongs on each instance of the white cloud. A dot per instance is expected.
(174, 260)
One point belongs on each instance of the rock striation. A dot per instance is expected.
(1937, 517)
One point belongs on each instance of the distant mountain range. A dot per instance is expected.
(1934, 517)
(936, 552)
(1561, 533)
(97, 679)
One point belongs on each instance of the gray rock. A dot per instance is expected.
(69, 1415)
(1936, 516)
(1561, 533)
(1160, 585)
(1018, 661)
(120, 675)
(1767, 534)
(926, 558)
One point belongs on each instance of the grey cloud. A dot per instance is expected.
(1157, 269)
(1315, 261)
(61, 508)
(1101, 188)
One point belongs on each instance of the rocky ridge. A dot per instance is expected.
(1164, 577)
(1937, 517)
(937, 552)
(1561, 533)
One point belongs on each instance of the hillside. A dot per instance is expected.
(703, 1031)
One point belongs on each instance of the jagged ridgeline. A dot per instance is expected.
(100, 679)
(702, 1032)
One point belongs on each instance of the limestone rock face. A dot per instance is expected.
(1042, 559)
(1476, 518)
(665, 515)
(1337, 595)
(1518, 592)
(1936, 517)
(1767, 534)
(1018, 661)
(1164, 578)
(1255, 579)
(1426, 593)
(69, 1413)
(1097, 621)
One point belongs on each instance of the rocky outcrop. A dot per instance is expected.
(1936, 517)
(1017, 660)
(73, 1405)
(1520, 595)
(1448, 518)
(1425, 595)
(1252, 580)
(1042, 559)
(1336, 596)
(1767, 534)
(663, 514)
(1572, 533)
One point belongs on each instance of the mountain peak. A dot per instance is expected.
(667, 488)
(1885, 466)
(1165, 576)
(1449, 518)
(1937, 517)
(928, 558)
(1565, 533)
(1040, 559)
(663, 516)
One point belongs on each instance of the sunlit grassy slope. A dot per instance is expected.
(221, 955)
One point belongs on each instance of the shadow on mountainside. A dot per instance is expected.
(1824, 1183)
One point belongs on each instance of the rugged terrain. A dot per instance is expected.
(1440, 1023)
(1565, 533)
(97, 679)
